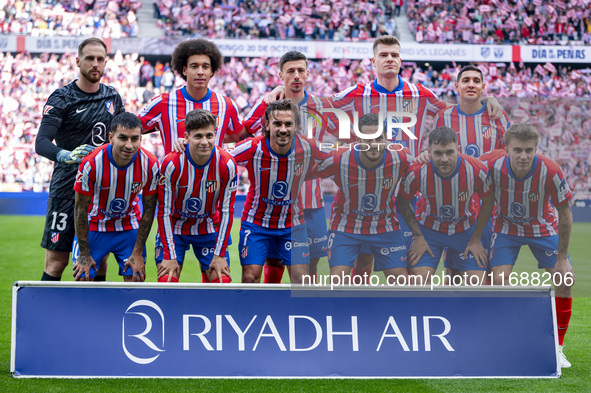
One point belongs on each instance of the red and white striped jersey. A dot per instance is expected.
(167, 113)
(313, 124)
(275, 181)
(448, 206)
(196, 200)
(523, 206)
(407, 97)
(477, 133)
(114, 206)
(365, 201)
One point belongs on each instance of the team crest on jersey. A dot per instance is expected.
(55, 237)
(110, 107)
(136, 187)
(46, 109)
(244, 252)
(533, 196)
(407, 106)
(388, 183)
(211, 185)
(463, 196)
(487, 131)
(299, 169)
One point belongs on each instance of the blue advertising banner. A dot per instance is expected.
(196, 330)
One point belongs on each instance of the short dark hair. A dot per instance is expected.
(385, 40)
(125, 120)
(292, 55)
(523, 132)
(91, 41)
(369, 119)
(188, 48)
(198, 119)
(286, 105)
(442, 136)
(470, 67)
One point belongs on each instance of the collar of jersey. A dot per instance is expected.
(356, 152)
(304, 100)
(381, 89)
(110, 155)
(529, 174)
(280, 155)
(454, 172)
(83, 92)
(190, 159)
(480, 111)
(188, 97)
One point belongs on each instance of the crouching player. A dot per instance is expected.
(448, 183)
(277, 163)
(107, 216)
(196, 196)
(364, 212)
(524, 184)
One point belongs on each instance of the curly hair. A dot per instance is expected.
(188, 48)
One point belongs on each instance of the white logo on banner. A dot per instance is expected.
(142, 336)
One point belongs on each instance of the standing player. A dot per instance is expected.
(277, 163)
(363, 212)
(78, 116)
(107, 215)
(196, 61)
(447, 184)
(293, 72)
(477, 132)
(525, 183)
(196, 200)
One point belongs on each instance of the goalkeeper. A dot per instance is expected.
(77, 117)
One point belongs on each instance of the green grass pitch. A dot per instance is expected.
(22, 259)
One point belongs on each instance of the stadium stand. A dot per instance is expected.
(299, 19)
(26, 81)
(498, 21)
(102, 18)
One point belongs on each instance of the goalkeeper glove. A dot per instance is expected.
(75, 156)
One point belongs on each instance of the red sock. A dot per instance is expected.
(204, 277)
(165, 279)
(564, 307)
(225, 280)
(273, 274)
(364, 274)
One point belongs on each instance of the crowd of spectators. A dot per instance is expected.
(556, 99)
(283, 19)
(100, 18)
(500, 21)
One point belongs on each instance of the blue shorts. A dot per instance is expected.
(317, 234)
(455, 245)
(121, 244)
(291, 244)
(504, 249)
(203, 248)
(388, 249)
(451, 261)
(365, 249)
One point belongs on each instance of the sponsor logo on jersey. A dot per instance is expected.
(46, 109)
(463, 196)
(79, 177)
(55, 237)
(162, 180)
(211, 185)
(136, 187)
(110, 107)
(533, 196)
